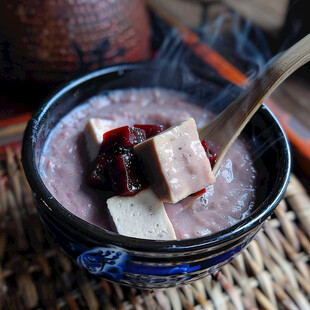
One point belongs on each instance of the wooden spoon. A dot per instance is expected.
(224, 129)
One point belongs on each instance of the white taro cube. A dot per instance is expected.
(141, 216)
(175, 162)
(94, 130)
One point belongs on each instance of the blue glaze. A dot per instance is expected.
(164, 270)
(104, 262)
(113, 262)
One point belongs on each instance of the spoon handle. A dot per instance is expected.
(224, 129)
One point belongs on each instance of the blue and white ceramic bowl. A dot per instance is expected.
(141, 263)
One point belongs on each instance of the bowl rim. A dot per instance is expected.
(92, 232)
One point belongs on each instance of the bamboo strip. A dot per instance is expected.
(47, 293)
(28, 290)
(149, 301)
(174, 298)
(87, 292)
(119, 292)
(13, 175)
(295, 257)
(263, 300)
(304, 241)
(283, 298)
(21, 241)
(287, 225)
(185, 302)
(263, 278)
(304, 283)
(231, 291)
(242, 280)
(3, 192)
(300, 300)
(270, 231)
(188, 292)
(200, 295)
(300, 202)
(162, 300)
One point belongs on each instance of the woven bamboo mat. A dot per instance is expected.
(272, 273)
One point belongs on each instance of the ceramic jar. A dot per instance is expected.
(54, 40)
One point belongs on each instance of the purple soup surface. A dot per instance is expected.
(64, 163)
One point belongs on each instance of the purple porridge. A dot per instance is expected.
(65, 163)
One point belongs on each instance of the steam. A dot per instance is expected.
(229, 32)
(235, 39)
(238, 41)
(263, 142)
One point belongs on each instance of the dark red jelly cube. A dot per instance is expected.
(99, 177)
(211, 156)
(122, 137)
(137, 135)
(150, 130)
(117, 167)
(199, 193)
(125, 178)
(204, 144)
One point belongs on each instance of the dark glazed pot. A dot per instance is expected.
(52, 41)
(141, 263)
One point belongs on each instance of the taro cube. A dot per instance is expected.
(94, 130)
(141, 216)
(175, 162)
